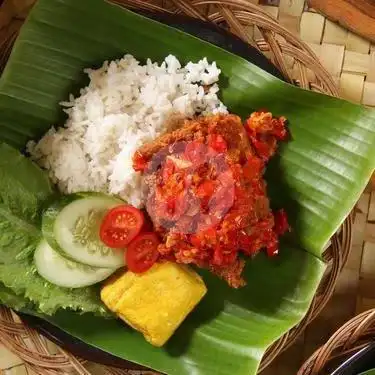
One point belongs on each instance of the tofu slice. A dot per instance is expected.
(155, 302)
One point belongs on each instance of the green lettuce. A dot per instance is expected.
(12, 300)
(22, 278)
(24, 191)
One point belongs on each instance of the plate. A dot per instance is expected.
(212, 34)
(361, 363)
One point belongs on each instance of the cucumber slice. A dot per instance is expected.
(71, 227)
(63, 272)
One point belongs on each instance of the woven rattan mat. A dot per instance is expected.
(351, 61)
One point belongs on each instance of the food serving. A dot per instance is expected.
(155, 177)
(206, 194)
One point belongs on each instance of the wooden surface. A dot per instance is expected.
(351, 61)
(355, 15)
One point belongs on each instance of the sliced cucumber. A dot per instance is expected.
(63, 272)
(71, 227)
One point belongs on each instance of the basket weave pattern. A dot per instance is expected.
(296, 60)
(352, 337)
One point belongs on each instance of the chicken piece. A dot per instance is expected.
(264, 131)
(205, 191)
(232, 274)
(155, 302)
(228, 126)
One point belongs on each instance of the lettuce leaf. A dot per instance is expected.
(12, 300)
(24, 190)
(22, 279)
(24, 187)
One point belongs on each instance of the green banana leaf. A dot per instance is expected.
(318, 177)
(369, 372)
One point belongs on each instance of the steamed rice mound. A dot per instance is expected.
(125, 105)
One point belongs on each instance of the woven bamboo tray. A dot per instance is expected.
(350, 338)
(298, 63)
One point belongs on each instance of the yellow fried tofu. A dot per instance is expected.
(155, 302)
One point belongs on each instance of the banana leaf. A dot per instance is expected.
(318, 176)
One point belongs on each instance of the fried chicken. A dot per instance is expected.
(206, 193)
(229, 126)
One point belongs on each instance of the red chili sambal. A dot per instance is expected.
(206, 194)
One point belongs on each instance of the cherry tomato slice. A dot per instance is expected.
(120, 225)
(142, 252)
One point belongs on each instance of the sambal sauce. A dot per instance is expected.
(206, 195)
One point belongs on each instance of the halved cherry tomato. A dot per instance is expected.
(217, 142)
(120, 225)
(142, 252)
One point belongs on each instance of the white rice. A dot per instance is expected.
(125, 105)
